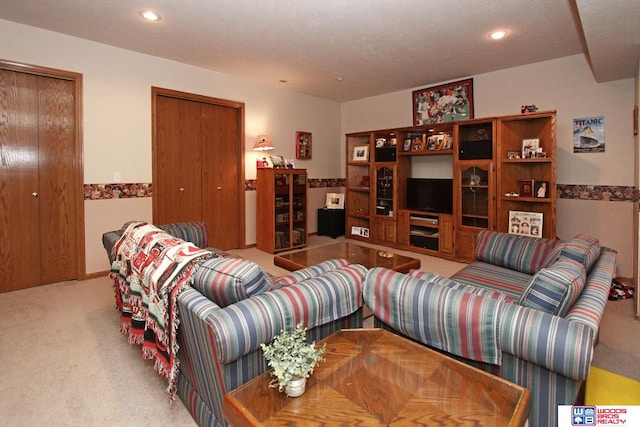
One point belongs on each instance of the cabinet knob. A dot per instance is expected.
(182, 189)
(34, 195)
(219, 188)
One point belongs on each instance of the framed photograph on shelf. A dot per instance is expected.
(444, 103)
(513, 154)
(335, 201)
(541, 189)
(277, 162)
(530, 148)
(406, 146)
(360, 153)
(525, 223)
(526, 188)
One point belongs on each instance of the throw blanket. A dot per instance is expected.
(150, 269)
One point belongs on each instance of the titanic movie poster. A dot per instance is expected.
(588, 135)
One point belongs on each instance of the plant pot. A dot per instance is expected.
(296, 387)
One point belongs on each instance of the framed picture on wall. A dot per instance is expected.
(335, 201)
(303, 145)
(444, 103)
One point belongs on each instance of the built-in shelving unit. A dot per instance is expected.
(486, 175)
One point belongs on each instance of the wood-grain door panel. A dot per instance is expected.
(19, 185)
(198, 169)
(221, 175)
(179, 161)
(38, 212)
(58, 216)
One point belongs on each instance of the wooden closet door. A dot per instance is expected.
(19, 186)
(57, 169)
(38, 217)
(178, 161)
(221, 177)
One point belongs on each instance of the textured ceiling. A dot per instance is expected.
(376, 47)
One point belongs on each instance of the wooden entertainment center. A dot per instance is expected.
(503, 178)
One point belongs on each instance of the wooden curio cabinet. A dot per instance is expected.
(281, 209)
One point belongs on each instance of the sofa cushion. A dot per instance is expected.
(500, 279)
(583, 249)
(449, 283)
(555, 289)
(226, 281)
(520, 253)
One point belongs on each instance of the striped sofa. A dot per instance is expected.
(528, 310)
(232, 306)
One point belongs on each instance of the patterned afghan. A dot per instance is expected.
(150, 269)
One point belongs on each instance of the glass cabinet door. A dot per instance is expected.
(282, 207)
(475, 197)
(298, 210)
(384, 191)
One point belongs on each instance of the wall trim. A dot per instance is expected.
(610, 193)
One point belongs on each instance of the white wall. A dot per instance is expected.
(117, 119)
(567, 86)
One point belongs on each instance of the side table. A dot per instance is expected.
(331, 222)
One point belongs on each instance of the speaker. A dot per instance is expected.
(475, 150)
(386, 154)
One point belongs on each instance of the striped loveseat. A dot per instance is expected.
(231, 306)
(528, 310)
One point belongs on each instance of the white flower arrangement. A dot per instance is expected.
(291, 357)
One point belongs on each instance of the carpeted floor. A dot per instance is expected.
(64, 362)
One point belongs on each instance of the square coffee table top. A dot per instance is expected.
(375, 377)
(355, 254)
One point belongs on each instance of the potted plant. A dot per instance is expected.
(292, 360)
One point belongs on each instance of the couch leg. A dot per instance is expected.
(581, 394)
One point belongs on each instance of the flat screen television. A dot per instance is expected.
(430, 195)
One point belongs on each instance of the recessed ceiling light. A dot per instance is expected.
(150, 15)
(497, 35)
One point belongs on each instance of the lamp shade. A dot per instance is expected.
(263, 143)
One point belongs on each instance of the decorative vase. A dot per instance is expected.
(296, 387)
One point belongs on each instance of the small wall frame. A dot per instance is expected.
(303, 145)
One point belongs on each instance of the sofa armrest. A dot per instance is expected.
(240, 328)
(552, 342)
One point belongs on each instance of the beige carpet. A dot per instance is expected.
(64, 362)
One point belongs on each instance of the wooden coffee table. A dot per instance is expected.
(355, 254)
(374, 377)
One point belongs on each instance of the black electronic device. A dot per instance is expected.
(430, 195)
(475, 150)
(386, 154)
